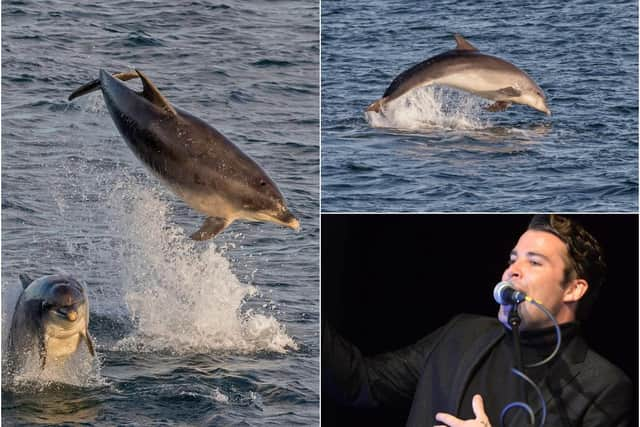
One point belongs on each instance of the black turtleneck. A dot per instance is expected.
(496, 383)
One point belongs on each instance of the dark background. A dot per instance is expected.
(388, 280)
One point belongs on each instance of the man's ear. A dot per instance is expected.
(576, 290)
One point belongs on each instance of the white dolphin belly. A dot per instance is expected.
(62, 347)
(62, 342)
(211, 204)
(478, 82)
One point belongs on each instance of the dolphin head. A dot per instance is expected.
(64, 305)
(283, 216)
(266, 203)
(534, 97)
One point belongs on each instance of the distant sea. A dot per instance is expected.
(223, 332)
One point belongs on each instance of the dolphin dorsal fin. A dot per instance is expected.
(462, 43)
(153, 95)
(25, 280)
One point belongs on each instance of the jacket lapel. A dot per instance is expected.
(564, 370)
(469, 362)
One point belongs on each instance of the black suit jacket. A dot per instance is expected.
(582, 388)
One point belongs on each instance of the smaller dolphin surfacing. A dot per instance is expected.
(467, 69)
(198, 163)
(50, 320)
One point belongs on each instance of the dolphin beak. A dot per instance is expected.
(70, 313)
(290, 220)
(294, 224)
(545, 108)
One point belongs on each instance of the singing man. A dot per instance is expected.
(456, 375)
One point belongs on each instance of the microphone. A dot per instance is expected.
(504, 293)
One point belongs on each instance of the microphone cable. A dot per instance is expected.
(522, 375)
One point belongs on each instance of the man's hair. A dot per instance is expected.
(585, 261)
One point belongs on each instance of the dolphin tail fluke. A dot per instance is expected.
(85, 89)
(95, 84)
(212, 227)
(376, 106)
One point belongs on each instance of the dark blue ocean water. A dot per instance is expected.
(439, 150)
(217, 333)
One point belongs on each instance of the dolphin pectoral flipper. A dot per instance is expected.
(25, 280)
(42, 350)
(153, 95)
(212, 226)
(498, 106)
(95, 84)
(89, 341)
(377, 105)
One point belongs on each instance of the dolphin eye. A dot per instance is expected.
(262, 182)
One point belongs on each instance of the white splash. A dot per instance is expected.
(79, 369)
(95, 103)
(219, 396)
(430, 108)
(182, 297)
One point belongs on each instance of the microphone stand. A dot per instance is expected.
(514, 322)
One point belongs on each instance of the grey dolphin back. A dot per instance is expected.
(402, 83)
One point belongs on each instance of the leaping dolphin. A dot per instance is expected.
(50, 320)
(194, 160)
(467, 69)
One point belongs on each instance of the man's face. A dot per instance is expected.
(536, 267)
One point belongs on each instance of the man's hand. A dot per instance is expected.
(481, 419)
